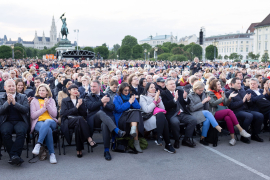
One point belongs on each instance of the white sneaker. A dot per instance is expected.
(244, 134)
(232, 142)
(36, 149)
(53, 159)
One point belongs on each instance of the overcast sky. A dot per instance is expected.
(108, 21)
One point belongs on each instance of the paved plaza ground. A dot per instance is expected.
(241, 162)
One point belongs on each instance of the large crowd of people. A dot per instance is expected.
(133, 99)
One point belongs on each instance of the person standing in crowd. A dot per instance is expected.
(13, 119)
(195, 66)
(175, 105)
(100, 114)
(240, 106)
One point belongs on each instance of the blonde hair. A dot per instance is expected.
(198, 85)
(46, 87)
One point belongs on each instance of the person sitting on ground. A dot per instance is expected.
(14, 108)
(151, 102)
(100, 114)
(128, 120)
(240, 106)
(219, 108)
(198, 106)
(73, 114)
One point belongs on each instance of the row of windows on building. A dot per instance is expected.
(259, 37)
(231, 49)
(231, 42)
(265, 29)
(265, 46)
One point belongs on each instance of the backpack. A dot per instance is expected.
(212, 136)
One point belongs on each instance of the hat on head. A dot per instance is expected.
(160, 79)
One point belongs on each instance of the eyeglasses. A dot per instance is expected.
(126, 90)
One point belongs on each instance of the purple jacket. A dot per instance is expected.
(35, 111)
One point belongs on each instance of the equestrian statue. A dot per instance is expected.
(64, 29)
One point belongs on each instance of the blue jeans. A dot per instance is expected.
(45, 129)
(209, 120)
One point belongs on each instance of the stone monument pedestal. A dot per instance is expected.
(64, 46)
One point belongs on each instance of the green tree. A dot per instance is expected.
(103, 51)
(45, 47)
(265, 57)
(164, 56)
(137, 51)
(226, 57)
(187, 47)
(177, 50)
(19, 45)
(35, 53)
(178, 58)
(146, 46)
(209, 52)
(29, 52)
(251, 55)
(112, 55)
(240, 56)
(167, 44)
(18, 54)
(257, 56)
(233, 56)
(165, 49)
(181, 45)
(195, 50)
(173, 45)
(125, 52)
(118, 52)
(116, 47)
(129, 41)
(18, 48)
(104, 44)
(219, 57)
(5, 52)
(88, 49)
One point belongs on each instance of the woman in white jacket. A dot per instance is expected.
(151, 102)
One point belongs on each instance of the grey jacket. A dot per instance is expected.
(147, 104)
(214, 102)
(196, 106)
(110, 92)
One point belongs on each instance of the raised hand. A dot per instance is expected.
(233, 95)
(185, 94)
(46, 102)
(79, 103)
(132, 99)
(157, 95)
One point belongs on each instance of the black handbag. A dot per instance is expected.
(146, 116)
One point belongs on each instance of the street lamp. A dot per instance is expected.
(12, 47)
(265, 53)
(148, 55)
(156, 49)
(77, 30)
(214, 49)
(145, 51)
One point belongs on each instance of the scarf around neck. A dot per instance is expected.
(151, 94)
(125, 98)
(218, 95)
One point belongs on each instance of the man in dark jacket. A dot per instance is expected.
(5, 77)
(195, 66)
(100, 114)
(160, 84)
(14, 109)
(260, 100)
(177, 112)
(240, 106)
